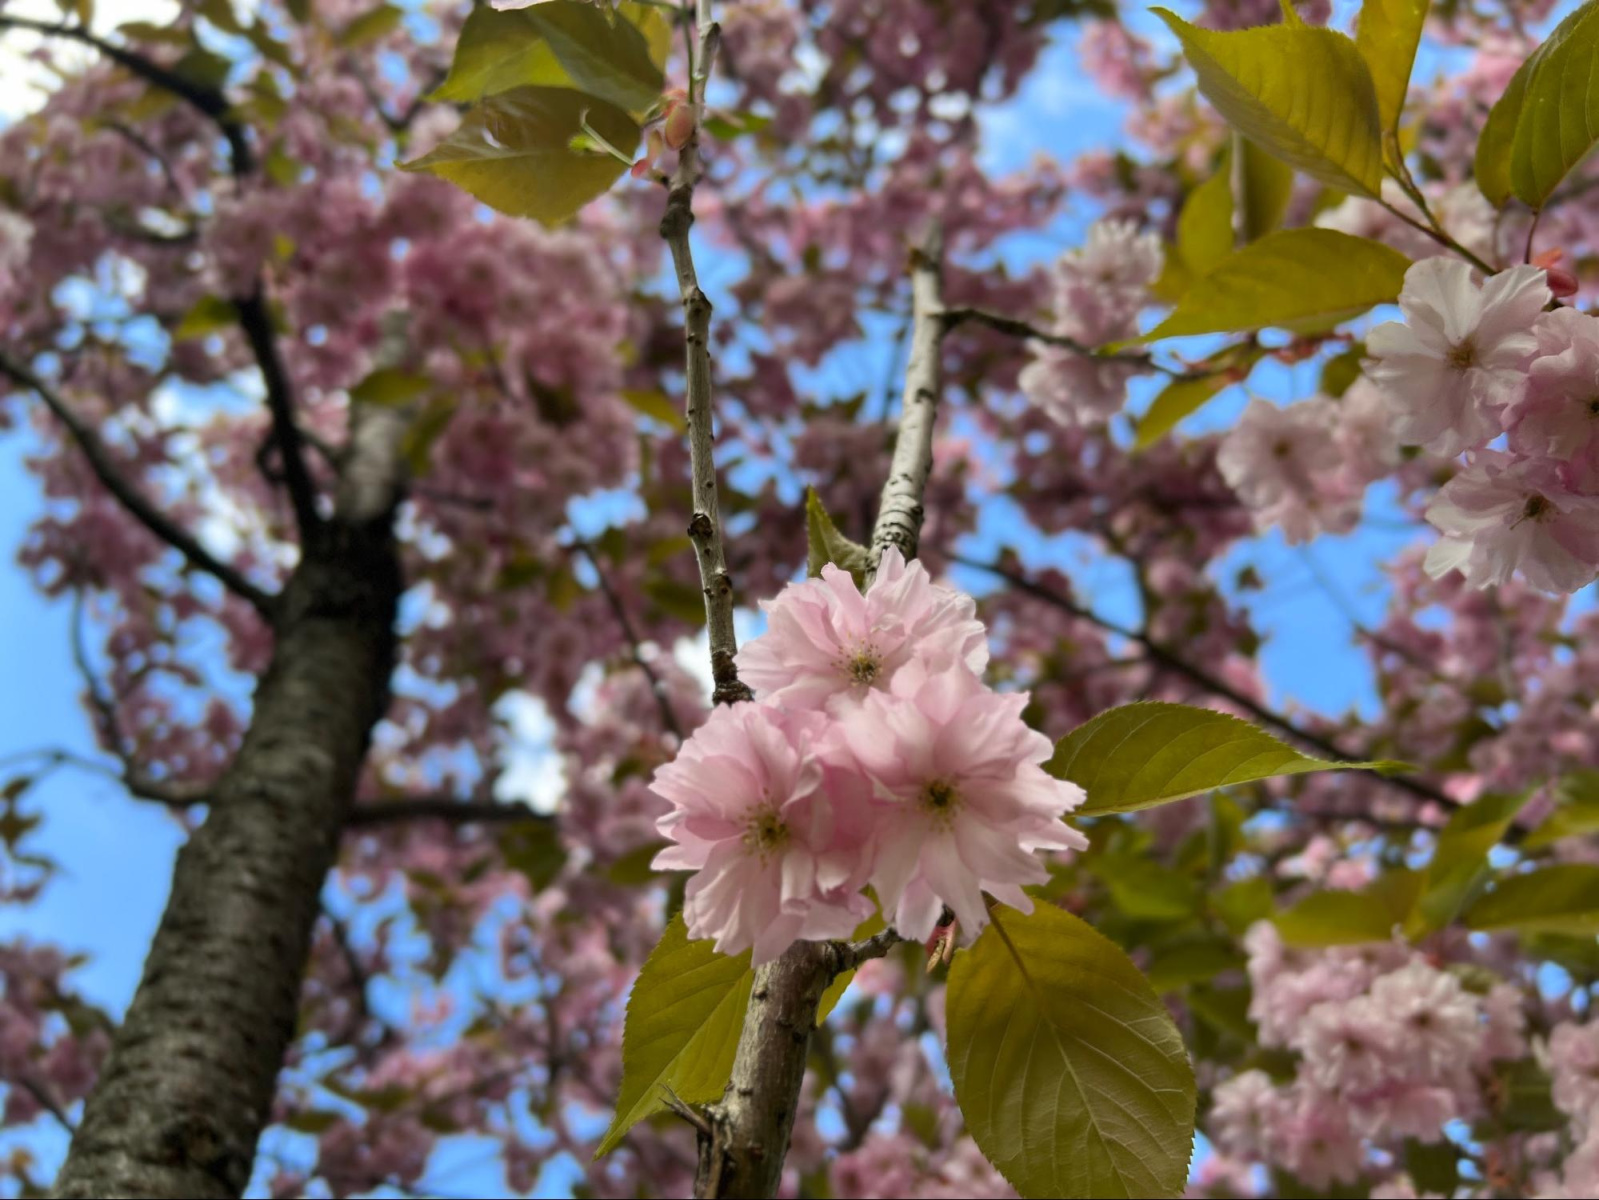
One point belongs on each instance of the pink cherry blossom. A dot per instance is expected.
(826, 645)
(1461, 356)
(1501, 516)
(1559, 416)
(774, 856)
(964, 799)
(1287, 465)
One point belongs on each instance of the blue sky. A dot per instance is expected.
(117, 854)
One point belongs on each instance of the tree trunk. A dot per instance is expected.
(192, 1072)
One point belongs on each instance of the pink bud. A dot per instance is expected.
(652, 151)
(1561, 282)
(679, 126)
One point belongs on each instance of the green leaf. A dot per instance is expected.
(1306, 280)
(210, 314)
(1304, 94)
(1146, 890)
(1433, 1167)
(1558, 899)
(1523, 1100)
(1498, 138)
(390, 387)
(533, 849)
(1460, 858)
(1197, 961)
(1241, 904)
(220, 13)
(513, 152)
(1548, 119)
(1149, 753)
(1178, 399)
(1387, 34)
(1348, 918)
(1067, 1067)
(656, 405)
(370, 26)
(313, 1121)
(685, 601)
(1576, 811)
(1205, 225)
(727, 126)
(1267, 186)
(560, 43)
(825, 544)
(683, 1022)
(1183, 397)
(1339, 372)
(417, 445)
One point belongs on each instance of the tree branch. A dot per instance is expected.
(705, 527)
(141, 509)
(256, 322)
(1177, 664)
(209, 101)
(754, 1121)
(441, 808)
(899, 514)
(663, 701)
(254, 318)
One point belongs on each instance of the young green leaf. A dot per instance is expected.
(1558, 899)
(1343, 918)
(1576, 812)
(513, 152)
(656, 405)
(1205, 225)
(1548, 119)
(825, 544)
(1387, 34)
(1264, 185)
(1498, 138)
(1179, 399)
(561, 43)
(210, 314)
(1298, 279)
(1460, 858)
(1303, 93)
(682, 1028)
(370, 26)
(1067, 1067)
(390, 386)
(1148, 753)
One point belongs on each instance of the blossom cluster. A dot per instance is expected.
(873, 754)
(1099, 291)
(1480, 368)
(1389, 1047)
(1571, 1056)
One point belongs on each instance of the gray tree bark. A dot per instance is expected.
(193, 1068)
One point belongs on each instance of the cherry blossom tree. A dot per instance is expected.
(392, 371)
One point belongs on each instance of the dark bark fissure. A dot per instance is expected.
(193, 1068)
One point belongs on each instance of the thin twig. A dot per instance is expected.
(254, 318)
(442, 808)
(48, 1102)
(141, 509)
(1197, 675)
(663, 700)
(209, 101)
(705, 527)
